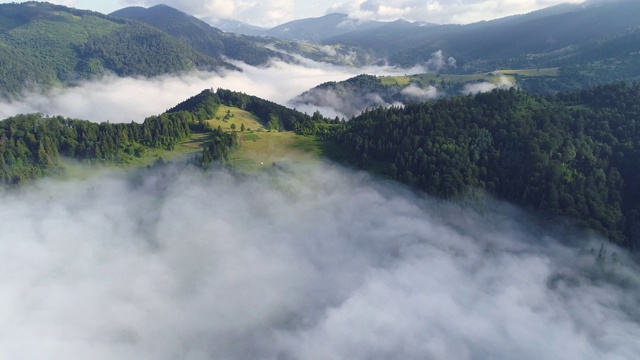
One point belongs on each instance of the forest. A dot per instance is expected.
(49, 44)
(575, 154)
(31, 145)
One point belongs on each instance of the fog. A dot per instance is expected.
(418, 93)
(485, 86)
(118, 99)
(299, 262)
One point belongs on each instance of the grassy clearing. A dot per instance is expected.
(493, 77)
(259, 148)
(434, 79)
(262, 149)
(532, 72)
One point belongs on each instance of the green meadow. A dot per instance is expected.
(494, 77)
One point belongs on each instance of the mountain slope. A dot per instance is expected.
(236, 27)
(317, 29)
(573, 155)
(48, 44)
(201, 35)
(550, 37)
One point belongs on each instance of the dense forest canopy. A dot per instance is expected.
(575, 154)
(49, 44)
(31, 145)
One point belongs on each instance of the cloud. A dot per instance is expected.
(342, 101)
(309, 262)
(275, 12)
(263, 13)
(443, 11)
(438, 62)
(117, 99)
(347, 100)
(413, 91)
(485, 86)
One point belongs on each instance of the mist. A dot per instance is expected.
(485, 86)
(416, 92)
(299, 262)
(125, 99)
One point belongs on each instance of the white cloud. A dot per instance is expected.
(274, 12)
(422, 94)
(116, 99)
(270, 13)
(485, 86)
(315, 262)
(442, 11)
(263, 13)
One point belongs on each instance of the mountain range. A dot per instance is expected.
(47, 44)
(202, 36)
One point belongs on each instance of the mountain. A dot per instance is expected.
(573, 155)
(45, 44)
(202, 36)
(584, 33)
(556, 36)
(317, 29)
(236, 27)
(391, 37)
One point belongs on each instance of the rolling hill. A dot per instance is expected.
(45, 44)
(557, 36)
(315, 30)
(202, 36)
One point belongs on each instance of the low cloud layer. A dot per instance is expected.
(341, 101)
(315, 262)
(418, 93)
(117, 99)
(485, 86)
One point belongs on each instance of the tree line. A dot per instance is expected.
(31, 145)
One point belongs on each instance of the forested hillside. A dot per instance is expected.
(202, 36)
(49, 44)
(575, 154)
(275, 116)
(31, 145)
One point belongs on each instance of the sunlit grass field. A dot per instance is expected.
(260, 147)
(493, 77)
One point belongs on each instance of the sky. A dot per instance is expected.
(138, 97)
(269, 13)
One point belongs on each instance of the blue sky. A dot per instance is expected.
(274, 12)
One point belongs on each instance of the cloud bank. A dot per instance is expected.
(418, 93)
(485, 86)
(316, 262)
(117, 99)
